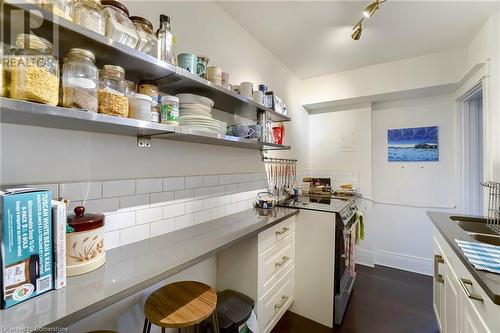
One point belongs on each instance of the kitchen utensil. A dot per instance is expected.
(246, 89)
(214, 74)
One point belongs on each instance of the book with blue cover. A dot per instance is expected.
(26, 244)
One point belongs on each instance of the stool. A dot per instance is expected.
(180, 304)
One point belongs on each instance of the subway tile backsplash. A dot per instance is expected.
(138, 209)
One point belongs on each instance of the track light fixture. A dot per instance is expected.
(367, 13)
(358, 29)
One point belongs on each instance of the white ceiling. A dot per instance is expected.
(313, 37)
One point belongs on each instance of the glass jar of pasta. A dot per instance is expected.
(88, 13)
(32, 70)
(112, 91)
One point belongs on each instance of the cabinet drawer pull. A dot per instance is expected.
(438, 259)
(279, 264)
(285, 229)
(473, 296)
(284, 299)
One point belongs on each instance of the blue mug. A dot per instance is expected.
(188, 61)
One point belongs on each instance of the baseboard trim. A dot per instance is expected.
(364, 257)
(404, 262)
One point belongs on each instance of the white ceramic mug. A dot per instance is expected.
(246, 89)
(258, 96)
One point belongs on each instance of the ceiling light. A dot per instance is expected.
(358, 29)
(372, 8)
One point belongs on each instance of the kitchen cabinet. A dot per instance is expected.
(459, 302)
(263, 268)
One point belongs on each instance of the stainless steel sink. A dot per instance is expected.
(478, 229)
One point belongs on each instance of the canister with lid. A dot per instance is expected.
(62, 8)
(88, 13)
(147, 38)
(112, 90)
(140, 107)
(33, 70)
(169, 110)
(148, 87)
(118, 25)
(80, 79)
(84, 242)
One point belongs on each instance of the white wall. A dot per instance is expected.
(326, 152)
(403, 192)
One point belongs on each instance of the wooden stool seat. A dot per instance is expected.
(180, 304)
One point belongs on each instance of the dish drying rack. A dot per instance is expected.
(493, 219)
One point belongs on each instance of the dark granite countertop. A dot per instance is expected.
(450, 231)
(334, 204)
(137, 266)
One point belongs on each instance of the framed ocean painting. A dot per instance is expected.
(417, 144)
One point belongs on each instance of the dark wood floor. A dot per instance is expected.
(384, 300)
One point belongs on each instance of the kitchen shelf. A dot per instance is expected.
(137, 65)
(34, 114)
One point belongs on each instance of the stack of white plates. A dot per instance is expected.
(195, 112)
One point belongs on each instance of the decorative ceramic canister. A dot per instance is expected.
(202, 66)
(84, 242)
(215, 75)
(188, 61)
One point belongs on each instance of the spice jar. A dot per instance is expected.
(118, 25)
(147, 38)
(62, 8)
(33, 71)
(80, 79)
(169, 110)
(85, 243)
(88, 13)
(112, 90)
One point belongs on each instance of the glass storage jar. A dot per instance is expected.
(112, 90)
(88, 13)
(118, 25)
(147, 38)
(80, 79)
(33, 71)
(62, 8)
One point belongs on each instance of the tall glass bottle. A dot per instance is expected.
(165, 40)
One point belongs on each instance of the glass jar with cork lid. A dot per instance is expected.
(33, 70)
(112, 91)
(80, 79)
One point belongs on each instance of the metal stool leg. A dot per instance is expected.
(149, 327)
(145, 327)
(163, 330)
(215, 322)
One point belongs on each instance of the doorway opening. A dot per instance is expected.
(471, 151)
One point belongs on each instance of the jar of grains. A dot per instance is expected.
(80, 79)
(32, 70)
(118, 25)
(112, 90)
(88, 13)
(147, 38)
(62, 8)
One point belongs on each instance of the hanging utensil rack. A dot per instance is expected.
(493, 219)
(281, 175)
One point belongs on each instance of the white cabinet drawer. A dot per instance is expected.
(275, 262)
(276, 301)
(271, 236)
